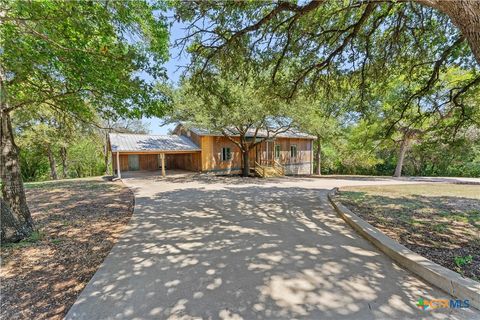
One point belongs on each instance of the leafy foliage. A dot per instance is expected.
(86, 157)
(70, 64)
(229, 101)
(405, 73)
(65, 54)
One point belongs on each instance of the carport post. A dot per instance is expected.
(162, 157)
(119, 174)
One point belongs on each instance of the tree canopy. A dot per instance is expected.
(80, 57)
(384, 85)
(86, 59)
(236, 104)
(408, 65)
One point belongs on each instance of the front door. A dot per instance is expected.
(133, 163)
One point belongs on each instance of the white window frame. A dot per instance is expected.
(279, 147)
(226, 154)
(293, 154)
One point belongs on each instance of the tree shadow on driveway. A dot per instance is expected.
(247, 252)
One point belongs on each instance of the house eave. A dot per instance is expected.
(155, 151)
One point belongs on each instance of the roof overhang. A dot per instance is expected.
(260, 134)
(155, 151)
(151, 144)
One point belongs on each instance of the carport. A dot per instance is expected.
(140, 152)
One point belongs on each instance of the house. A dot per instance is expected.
(200, 150)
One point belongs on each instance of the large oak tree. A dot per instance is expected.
(302, 43)
(78, 57)
(236, 103)
(308, 40)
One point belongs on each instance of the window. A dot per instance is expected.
(226, 154)
(293, 151)
(277, 151)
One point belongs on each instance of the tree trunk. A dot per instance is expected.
(465, 15)
(63, 156)
(401, 157)
(53, 164)
(246, 162)
(318, 157)
(13, 193)
(11, 230)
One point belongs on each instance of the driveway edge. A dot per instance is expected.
(73, 313)
(445, 279)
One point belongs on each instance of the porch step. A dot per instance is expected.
(268, 171)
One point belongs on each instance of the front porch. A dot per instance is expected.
(281, 156)
(264, 159)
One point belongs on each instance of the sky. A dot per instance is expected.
(173, 73)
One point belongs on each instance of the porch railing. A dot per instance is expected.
(265, 162)
(278, 166)
(259, 169)
(263, 170)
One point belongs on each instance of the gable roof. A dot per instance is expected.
(147, 142)
(290, 133)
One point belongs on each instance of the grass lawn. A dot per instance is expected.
(438, 221)
(78, 222)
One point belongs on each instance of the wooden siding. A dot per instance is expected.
(123, 162)
(304, 153)
(149, 161)
(302, 163)
(212, 154)
(189, 161)
(211, 158)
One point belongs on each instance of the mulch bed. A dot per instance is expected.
(441, 229)
(78, 221)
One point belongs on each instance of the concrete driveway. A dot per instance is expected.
(232, 248)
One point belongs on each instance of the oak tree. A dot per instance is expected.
(81, 58)
(238, 105)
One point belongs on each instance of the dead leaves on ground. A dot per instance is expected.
(79, 221)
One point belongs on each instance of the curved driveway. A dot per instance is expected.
(227, 248)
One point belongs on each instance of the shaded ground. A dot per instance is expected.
(233, 248)
(438, 221)
(78, 222)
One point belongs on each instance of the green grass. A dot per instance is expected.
(461, 261)
(438, 205)
(35, 237)
(436, 218)
(440, 227)
(96, 184)
(56, 241)
(424, 189)
(64, 183)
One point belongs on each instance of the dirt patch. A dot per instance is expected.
(78, 221)
(439, 221)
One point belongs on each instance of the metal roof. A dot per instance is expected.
(290, 133)
(127, 142)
